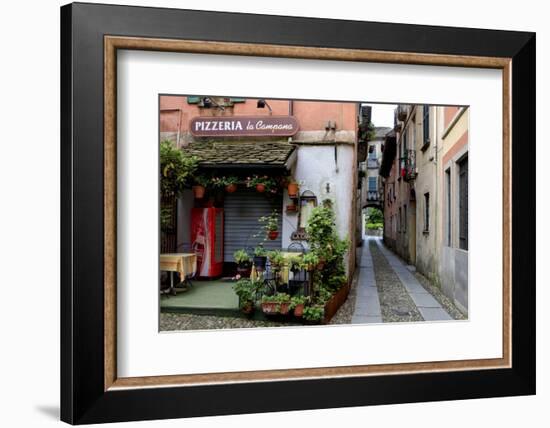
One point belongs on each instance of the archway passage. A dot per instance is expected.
(373, 221)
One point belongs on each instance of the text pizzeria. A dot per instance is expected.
(235, 125)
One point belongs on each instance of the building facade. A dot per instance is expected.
(321, 157)
(425, 187)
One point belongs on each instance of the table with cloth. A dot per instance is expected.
(185, 264)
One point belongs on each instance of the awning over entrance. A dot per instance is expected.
(239, 153)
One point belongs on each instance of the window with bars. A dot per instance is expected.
(463, 203)
(426, 212)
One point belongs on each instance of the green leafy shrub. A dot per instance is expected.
(241, 257)
(314, 313)
(176, 169)
(246, 289)
(327, 246)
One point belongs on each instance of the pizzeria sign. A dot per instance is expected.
(237, 126)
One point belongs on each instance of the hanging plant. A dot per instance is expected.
(293, 188)
(199, 189)
(270, 224)
(262, 183)
(227, 182)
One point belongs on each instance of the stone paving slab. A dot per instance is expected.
(362, 319)
(429, 308)
(367, 303)
(367, 292)
(434, 314)
(424, 300)
(368, 306)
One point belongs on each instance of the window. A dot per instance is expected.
(372, 184)
(426, 212)
(463, 203)
(448, 224)
(426, 128)
(372, 151)
(400, 222)
(404, 218)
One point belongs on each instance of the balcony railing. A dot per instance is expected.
(372, 195)
(408, 165)
(372, 163)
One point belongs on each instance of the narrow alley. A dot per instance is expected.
(387, 290)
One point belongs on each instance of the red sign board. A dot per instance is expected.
(239, 126)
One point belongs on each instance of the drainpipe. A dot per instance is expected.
(290, 113)
(435, 160)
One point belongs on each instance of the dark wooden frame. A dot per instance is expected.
(89, 389)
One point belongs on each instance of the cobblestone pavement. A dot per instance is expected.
(383, 290)
(172, 322)
(395, 302)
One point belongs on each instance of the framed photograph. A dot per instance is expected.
(266, 213)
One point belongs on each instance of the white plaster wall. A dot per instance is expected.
(315, 167)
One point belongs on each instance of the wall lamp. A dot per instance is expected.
(263, 104)
(208, 102)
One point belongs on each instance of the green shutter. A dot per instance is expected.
(193, 100)
(237, 100)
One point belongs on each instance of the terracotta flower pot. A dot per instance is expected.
(198, 191)
(292, 189)
(248, 308)
(270, 308)
(272, 234)
(230, 188)
(260, 187)
(299, 310)
(284, 308)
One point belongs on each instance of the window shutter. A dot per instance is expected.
(237, 100)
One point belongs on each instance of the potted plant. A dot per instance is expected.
(310, 261)
(260, 256)
(278, 303)
(313, 314)
(200, 186)
(243, 262)
(270, 305)
(262, 183)
(246, 290)
(295, 262)
(271, 225)
(276, 258)
(284, 303)
(292, 188)
(227, 182)
(230, 183)
(297, 305)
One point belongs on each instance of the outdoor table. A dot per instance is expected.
(183, 263)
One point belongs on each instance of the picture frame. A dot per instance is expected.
(91, 392)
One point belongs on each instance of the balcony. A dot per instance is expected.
(372, 196)
(373, 163)
(408, 165)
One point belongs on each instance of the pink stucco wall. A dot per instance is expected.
(312, 115)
